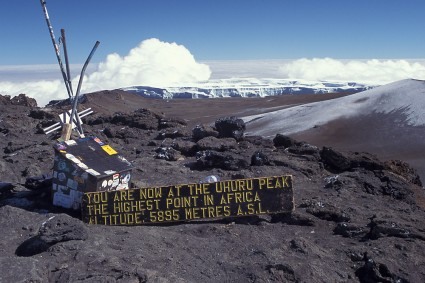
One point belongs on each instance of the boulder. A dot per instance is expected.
(335, 160)
(141, 118)
(213, 143)
(168, 153)
(20, 99)
(284, 141)
(57, 229)
(259, 158)
(230, 127)
(203, 131)
(213, 159)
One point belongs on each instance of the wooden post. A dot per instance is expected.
(66, 131)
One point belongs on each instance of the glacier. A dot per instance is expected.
(247, 87)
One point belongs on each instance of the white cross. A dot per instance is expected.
(65, 118)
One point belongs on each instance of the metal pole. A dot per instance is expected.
(65, 52)
(74, 107)
(56, 47)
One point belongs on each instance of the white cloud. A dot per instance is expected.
(152, 63)
(162, 64)
(43, 91)
(363, 71)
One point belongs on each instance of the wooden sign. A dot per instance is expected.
(231, 198)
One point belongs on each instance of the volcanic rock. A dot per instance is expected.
(186, 147)
(403, 169)
(259, 158)
(20, 99)
(56, 229)
(212, 159)
(213, 143)
(285, 141)
(167, 153)
(230, 127)
(356, 218)
(203, 131)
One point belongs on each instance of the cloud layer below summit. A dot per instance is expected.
(157, 63)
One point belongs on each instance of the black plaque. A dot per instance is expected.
(231, 198)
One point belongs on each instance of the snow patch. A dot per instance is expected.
(405, 95)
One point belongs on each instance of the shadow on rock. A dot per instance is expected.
(372, 271)
(57, 229)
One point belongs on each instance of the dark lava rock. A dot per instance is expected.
(4, 99)
(284, 141)
(347, 204)
(297, 163)
(203, 131)
(305, 149)
(142, 119)
(383, 228)
(5, 189)
(110, 133)
(300, 245)
(257, 141)
(41, 114)
(172, 133)
(43, 182)
(230, 127)
(213, 143)
(168, 153)
(97, 119)
(339, 162)
(403, 169)
(282, 273)
(20, 99)
(259, 158)
(5, 186)
(59, 228)
(15, 146)
(123, 133)
(62, 228)
(23, 100)
(366, 160)
(372, 271)
(333, 182)
(372, 182)
(393, 186)
(325, 211)
(335, 160)
(350, 230)
(294, 218)
(213, 159)
(186, 147)
(165, 123)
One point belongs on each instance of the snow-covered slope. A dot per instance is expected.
(247, 87)
(406, 97)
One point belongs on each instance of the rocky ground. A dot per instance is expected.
(357, 219)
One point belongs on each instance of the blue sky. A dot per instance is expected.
(217, 30)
